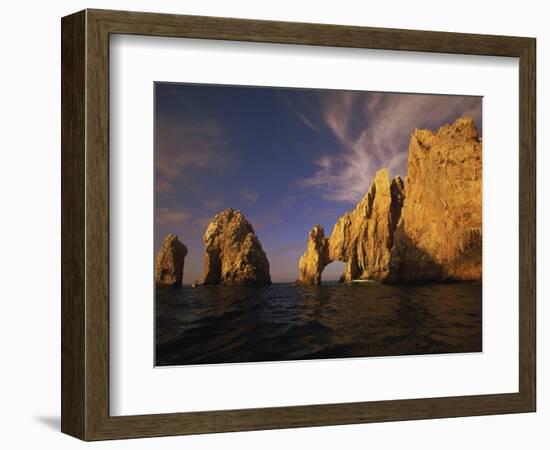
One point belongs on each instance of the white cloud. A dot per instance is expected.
(171, 217)
(373, 130)
(184, 146)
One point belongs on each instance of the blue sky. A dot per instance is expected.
(287, 158)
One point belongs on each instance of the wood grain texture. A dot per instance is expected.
(527, 224)
(97, 225)
(85, 224)
(73, 226)
(151, 24)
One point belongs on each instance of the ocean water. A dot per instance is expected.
(209, 325)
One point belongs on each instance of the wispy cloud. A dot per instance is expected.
(250, 195)
(301, 103)
(308, 122)
(172, 217)
(373, 131)
(183, 146)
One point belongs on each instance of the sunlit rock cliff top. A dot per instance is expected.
(427, 228)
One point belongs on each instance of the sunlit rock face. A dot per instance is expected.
(233, 253)
(315, 258)
(170, 262)
(439, 234)
(426, 229)
(361, 238)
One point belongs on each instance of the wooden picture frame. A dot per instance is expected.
(85, 224)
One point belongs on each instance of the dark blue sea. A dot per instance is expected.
(210, 325)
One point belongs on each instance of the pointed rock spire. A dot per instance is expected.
(170, 262)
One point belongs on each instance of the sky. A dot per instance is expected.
(287, 158)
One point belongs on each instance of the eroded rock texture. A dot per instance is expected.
(439, 234)
(361, 238)
(315, 258)
(170, 262)
(427, 229)
(233, 253)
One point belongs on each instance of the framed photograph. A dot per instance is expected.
(271, 225)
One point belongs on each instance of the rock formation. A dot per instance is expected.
(362, 238)
(170, 261)
(316, 257)
(427, 229)
(439, 234)
(233, 253)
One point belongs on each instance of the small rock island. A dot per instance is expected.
(170, 262)
(233, 253)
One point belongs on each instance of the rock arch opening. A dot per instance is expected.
(333, 271)
(361, 238)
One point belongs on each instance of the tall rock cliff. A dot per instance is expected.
(427, 229)
(362, 238)
(170, 262)
(233, 253)
(439, 234)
